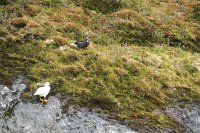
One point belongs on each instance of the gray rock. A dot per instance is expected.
(9, 97)
(188, 116)
(83, 121)
(38, 118)
(17, 116)
(32, 118)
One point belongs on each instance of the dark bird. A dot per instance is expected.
(81, 44)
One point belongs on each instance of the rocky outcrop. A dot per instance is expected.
(81, 121)
(9, 97)
(26, 117)
(17, 116)
(38, 118)
(187, 115)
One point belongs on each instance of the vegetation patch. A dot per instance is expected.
(142, 56)
(20, 22)
(104, 6)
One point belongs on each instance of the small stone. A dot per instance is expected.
(3, 105)
(21, 87)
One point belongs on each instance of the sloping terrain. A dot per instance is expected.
(143, 55)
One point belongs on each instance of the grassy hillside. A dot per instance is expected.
(143, 55)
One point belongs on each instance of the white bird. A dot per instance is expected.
(43, 92)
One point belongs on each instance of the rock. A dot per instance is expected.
(20, 117)
(81, 120)
(17, 116)
(31, 118)
(9, 97)
(188, 116)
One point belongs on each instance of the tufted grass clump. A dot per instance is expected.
(127, 14)
(20, 22)
(196, 12)
(128, 33)
(32, 10)
(3, 32)
(4, 2)
(70, 57)
(104, 6)
(60, 41)
(52, 2)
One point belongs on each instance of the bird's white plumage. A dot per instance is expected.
(73, 44)
(43, 91)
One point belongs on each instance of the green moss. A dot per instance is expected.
(51, 3)
(70, 57)
(104, 6)
(3, 33)
(4, 2)
(7, 113)
(27, 96)
(196, 12)
(98, 110)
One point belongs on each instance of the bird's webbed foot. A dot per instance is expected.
(45, 101)
(42, 99)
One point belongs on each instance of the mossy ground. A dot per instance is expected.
(129, 70)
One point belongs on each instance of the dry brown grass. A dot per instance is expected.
(127, 14)
(32, 10)
(60, 41)
(72, 26)
(33, 24)
(76, 10)
(20, 22)
(57, 17)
